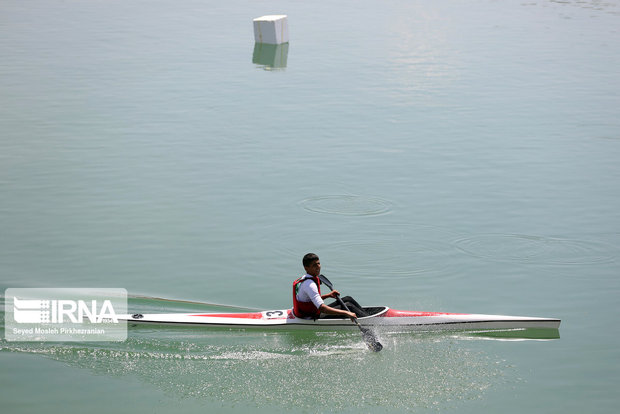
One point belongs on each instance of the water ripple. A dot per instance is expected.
(380, 255)
(348, 205)
(530, 249)
(373, 250)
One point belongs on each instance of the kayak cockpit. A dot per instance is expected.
(372, 311)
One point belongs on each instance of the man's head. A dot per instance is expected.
(312, 264)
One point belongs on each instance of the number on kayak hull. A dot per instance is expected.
(274, 314)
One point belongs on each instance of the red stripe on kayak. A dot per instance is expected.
(393, 313)
(256, 315)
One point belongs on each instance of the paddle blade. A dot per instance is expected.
(371, 340)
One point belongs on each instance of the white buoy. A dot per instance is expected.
(272, 29)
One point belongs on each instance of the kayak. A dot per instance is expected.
(381, 317)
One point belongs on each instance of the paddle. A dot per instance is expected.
(369, 336)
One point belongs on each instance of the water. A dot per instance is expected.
(438, 156)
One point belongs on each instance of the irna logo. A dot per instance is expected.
(62, 311)
(65, 314)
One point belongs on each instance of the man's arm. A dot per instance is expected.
(332, 311)
(318, 301)
(331, 294)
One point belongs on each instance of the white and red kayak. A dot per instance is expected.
(380, 317)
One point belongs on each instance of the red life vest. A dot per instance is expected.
(305, 309)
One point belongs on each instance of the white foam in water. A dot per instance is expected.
(424, 373)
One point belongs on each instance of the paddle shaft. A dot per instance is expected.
(368, 336)
(344, 305)
(327, 283)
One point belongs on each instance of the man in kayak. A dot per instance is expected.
(307, 299)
